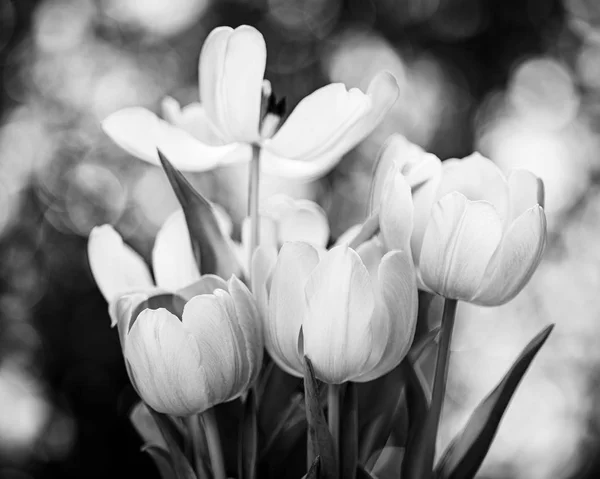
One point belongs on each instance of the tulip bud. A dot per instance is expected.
(184, 360)
(478, 236)
(352, 313)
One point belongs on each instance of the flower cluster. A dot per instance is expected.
(344, 313)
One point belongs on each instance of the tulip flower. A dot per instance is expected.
(238, 110)
(352, 312)
(282, 219)
(478, 236)
(118, 269)
(204, 350)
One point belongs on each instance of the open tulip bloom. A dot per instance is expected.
(193, 334)
(478, 236)
(238, 111)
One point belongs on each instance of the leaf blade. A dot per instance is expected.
(181, 465)
(466, 452)
(319, 441)
(211, 249)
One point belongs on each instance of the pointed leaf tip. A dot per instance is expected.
(211, 248)
(468, 449)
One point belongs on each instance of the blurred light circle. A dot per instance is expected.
(25, 147)
(408, 11)
(23, 411)
(460, 21)
(543, 89)
(288, 57)
(154, 196)
(588, 65)
(94, 196)
(61, 24)
(161, 17)
(315, 17)
(123, 84)
(552, 156)
(9, 204)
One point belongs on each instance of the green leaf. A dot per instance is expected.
(162, 460)
(319, 441)
(211, 248)
(349, 432)
(466, 452)
(248, 439)
(181, 466)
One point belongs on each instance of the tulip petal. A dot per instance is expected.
(287, 305)
(306, 222)
(459, 242)
(231, 70)
(267, 238)
(173, 260)
(167, 365)
(382, 93)
(476, 177)
(319, 121)
(398, 289)
(396, 211)
(116, 267)
(191, 119)
(212, 320)
(371, 253)
(347, 236)
(140, 132)
(337, 325)
(416, 165)
(525, 190)
(124, 307)
(251, 328)
(263, 262)
(515, 260)
(207, 284)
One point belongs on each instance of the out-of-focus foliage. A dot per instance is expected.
(519, 80)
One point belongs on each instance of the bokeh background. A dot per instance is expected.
(518, 80)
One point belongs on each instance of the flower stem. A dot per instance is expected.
(253, 203)
(213, 440)
(196, 434)
(441, 365)
(333, 415)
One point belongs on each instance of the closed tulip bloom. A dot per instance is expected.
(238, 110)
(195, 352)
(353, 313)
(480, 236)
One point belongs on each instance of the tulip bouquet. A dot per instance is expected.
(345, 388)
